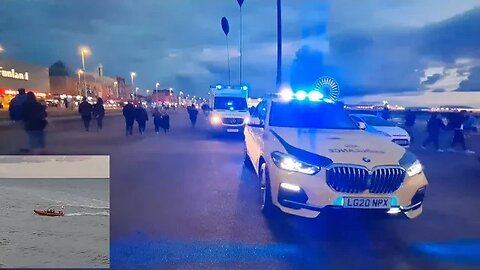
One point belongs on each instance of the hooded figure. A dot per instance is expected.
(34, 115)
(86, 109)
(129, 115)
(141, 116)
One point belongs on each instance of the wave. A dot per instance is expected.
(106, 213)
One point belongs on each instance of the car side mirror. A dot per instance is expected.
(362, 125)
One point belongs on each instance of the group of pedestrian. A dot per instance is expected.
(457, 122)
(132, 113)
(87, 111)
(26, 112)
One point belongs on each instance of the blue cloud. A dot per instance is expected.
(472, 83)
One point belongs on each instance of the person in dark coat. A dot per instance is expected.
(86, 110)
(165, 122)
(129, 115)
(34, 116)
(99, 113)
(410, 118)
(157, 119)
(141, 116)
(15, 108)
(456, 123)
(434, 126)
(192, 113)
(385, 113)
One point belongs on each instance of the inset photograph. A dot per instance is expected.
(54, 212)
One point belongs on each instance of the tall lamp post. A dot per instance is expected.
(79, 73)
(115, 88)
(132, 77)
(2, 50)
(84, 52)
(279, 43)
(240, 3)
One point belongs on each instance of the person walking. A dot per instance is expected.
(157, 119)
(434, 126)
(34, 115)
(192, 113)
(99, 113)
(457, 124)
(129, 115)
(469, 125)
(165, 122)
(385, 112)
(16, 105)
(86, 109)
(141, 116)
(410, 118)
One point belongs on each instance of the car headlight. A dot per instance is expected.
(290, 163)
(414, 169)
(215, 120)
(246, 120)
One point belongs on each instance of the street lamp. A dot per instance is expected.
(279, 43)
(79, 73)
(1, 49)
(84, 51)
(133, 75)
(156, 86)
(136, 92)
(115, 88)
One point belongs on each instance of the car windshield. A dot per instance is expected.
(230, 103)
(300, 114)
(377, 121)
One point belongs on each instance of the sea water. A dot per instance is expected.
(80, 239)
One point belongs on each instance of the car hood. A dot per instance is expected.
(392, 131)
(338, 146)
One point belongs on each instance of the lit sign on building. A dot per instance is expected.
(12, 74)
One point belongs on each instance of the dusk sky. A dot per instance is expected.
(409, 51)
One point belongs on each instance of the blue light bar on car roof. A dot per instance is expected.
(287, 94)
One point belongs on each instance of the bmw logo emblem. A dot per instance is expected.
(366, 159)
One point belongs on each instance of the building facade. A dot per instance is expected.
(16, 74)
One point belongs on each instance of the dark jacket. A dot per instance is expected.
(157, 117)
(129, 112)
(456, 121)
(165, 122)
(16, 107)
(85, 109)
(141, 115)
(410, 119)
(34, 115)
(434, 125)
(192, 112)
(98, 110)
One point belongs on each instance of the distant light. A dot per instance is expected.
(245, 88)
(301, 95)
(231, 108)
(230, 103)
(315, 96)
(259, 99)
(286, 94)
(218, 86)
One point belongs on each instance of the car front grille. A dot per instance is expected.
(402, 142)
(232, 121)
(353, 179)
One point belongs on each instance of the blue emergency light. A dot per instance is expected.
(301, 95)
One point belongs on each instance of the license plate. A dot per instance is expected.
(370, 203)
(232, 130)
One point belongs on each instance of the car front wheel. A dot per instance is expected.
(267, 206)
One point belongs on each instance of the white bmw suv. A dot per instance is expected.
(309, 156)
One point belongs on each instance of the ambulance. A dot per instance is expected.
(229, 110)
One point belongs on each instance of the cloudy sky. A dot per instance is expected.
(409, 51)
